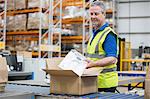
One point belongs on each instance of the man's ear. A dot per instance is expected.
(104, 14)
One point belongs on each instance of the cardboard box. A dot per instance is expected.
(3, 70)
(147, 89)
(148, 73)
(74, 61)
(20, 4)
(11, 5)
(68, 82)
(147, 84)
(25, 54)
(20, 19)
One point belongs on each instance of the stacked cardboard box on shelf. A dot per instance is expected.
(25, 54)
(33, 3)
(36, 3)
(20, 4)
(11, 5)
(10, 23)
(16, 4)
(20, 22)
(34, 21)
(17, 22)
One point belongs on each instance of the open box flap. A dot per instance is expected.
(92, 71)
(61, 72)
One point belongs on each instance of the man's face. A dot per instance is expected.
(97, 17)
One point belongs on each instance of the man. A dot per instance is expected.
(102, 48)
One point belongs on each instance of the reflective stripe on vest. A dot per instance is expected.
(109, 70)
(97, 46)
(95, 56)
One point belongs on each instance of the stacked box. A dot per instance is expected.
(1, 22)
(20, 22)
(36, 3)
(11, 5)
(44, 21)
(109, 5)
(34, 21)
(1, 7)
(20, 4)
(33, 3)
(25, 54)
(10, 23)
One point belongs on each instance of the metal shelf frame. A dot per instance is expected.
(53, 24)
(50, 47)
(3, 28)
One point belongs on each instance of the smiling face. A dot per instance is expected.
(97, 17)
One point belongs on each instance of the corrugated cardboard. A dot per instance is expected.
(148, 73)
(68, 82)
(71, 84)
(147, 84)
(3, 70)
(25, 54)
(147, 89)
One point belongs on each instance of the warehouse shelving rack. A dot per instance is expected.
(3, 25)
(51, 47)
(64, 39)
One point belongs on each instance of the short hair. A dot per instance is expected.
(100, 4)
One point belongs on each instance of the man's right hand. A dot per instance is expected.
(90, 63)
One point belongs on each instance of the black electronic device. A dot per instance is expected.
(19, 66)
(13, 64)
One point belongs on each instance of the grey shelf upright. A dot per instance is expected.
(3, 24)
(51, 46)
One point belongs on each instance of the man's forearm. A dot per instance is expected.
(103, 62)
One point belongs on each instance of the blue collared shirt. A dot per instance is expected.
(110, 43)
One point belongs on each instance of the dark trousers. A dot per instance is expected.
(112, 89)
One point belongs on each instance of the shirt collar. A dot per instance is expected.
(102, 27)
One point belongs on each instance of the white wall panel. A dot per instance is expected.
(136, 9)
(137, 25)
(138, 18)
(123, 10)
(123, 26)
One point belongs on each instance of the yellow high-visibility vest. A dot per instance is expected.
(108, 77)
